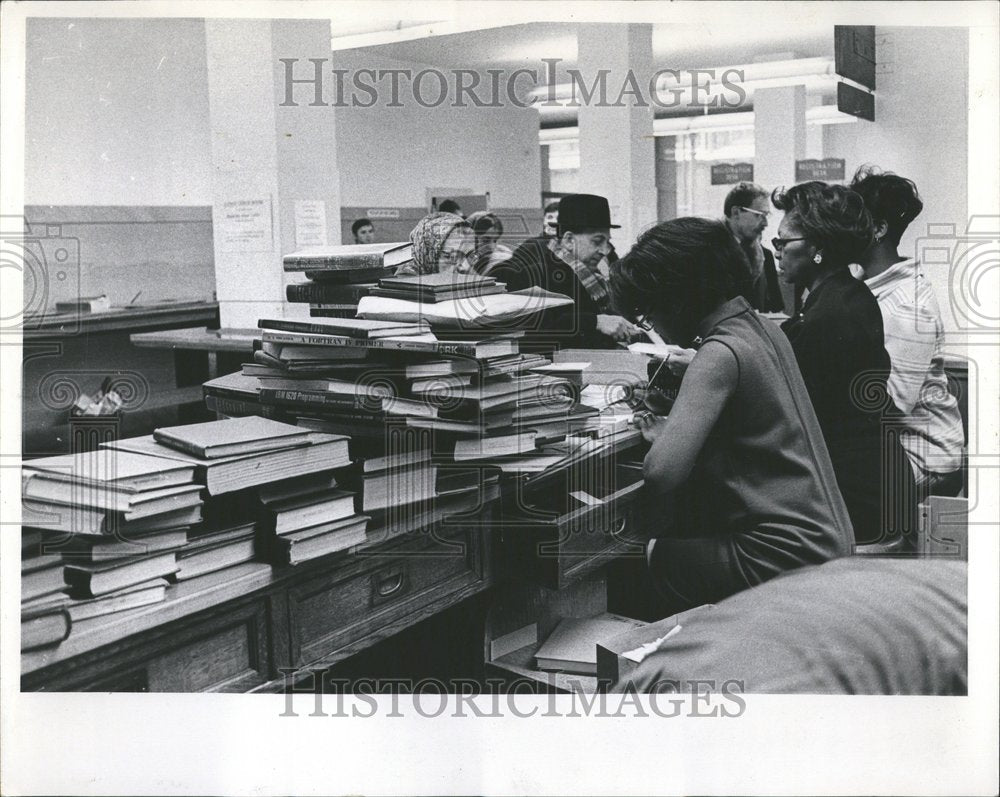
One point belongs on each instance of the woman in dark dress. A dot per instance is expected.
(740, 458)
(838, 341)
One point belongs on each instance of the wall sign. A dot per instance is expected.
(310, 222)
(382, 213)
(728, 173)
(825, 170)
(245, 226)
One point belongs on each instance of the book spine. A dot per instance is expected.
(318, 292)
(315, 399)
(317, 338)
(185, 446)
(340, 263)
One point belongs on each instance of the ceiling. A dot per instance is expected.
(675, 46)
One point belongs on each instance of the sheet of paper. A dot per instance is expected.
(310, 223)
(245, 225)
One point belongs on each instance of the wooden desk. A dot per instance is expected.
(69, 355)
(201, 354)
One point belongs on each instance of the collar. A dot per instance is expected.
(831, 278)
(905, 269)
(733, 307)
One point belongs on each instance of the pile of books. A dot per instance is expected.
(340, 276)
(102, 532)
(455, 401)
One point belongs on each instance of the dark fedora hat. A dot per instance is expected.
(583, 212)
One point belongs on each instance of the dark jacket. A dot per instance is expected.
(838, 341)
(533, 264)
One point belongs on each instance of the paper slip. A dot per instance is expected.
(586, 498)
(642, 651)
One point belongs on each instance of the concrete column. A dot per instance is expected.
(617, 153)
(779, 134)
(779, 140)
(266, 156)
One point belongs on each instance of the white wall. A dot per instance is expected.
(117, 112)
(921, 130)
(389, 156)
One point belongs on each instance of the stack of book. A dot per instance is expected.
(477, 400)
(303, 519)
(112, 524)
(44, 619)
(233, 454)
(434, 288)
(340, 276)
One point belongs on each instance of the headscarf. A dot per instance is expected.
(428, 239)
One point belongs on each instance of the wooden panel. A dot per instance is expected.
(367, 593)
(222, 649)
(219, 658)
(558, 549)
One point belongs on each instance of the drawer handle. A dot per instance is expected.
(389, 584)
(621, 526)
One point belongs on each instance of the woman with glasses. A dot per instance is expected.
(442, 242)
(740, 459)
(839, 344)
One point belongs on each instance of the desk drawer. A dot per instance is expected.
(558, 540)
(373, 590)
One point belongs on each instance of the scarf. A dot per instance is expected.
(428, 239)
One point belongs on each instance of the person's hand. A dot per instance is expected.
(678, 360)
(649, 424)
(616, 327)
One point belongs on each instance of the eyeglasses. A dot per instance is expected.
(779, 243)
(763, 213)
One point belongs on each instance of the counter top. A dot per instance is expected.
(133, 317)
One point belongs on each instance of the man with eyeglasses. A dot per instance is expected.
(747, 212)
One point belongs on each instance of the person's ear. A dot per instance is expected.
(881, 230)
(567, 239)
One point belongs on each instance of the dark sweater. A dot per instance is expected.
(838, 341)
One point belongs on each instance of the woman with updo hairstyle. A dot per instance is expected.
(442, 243)
(838, 340)
(738, 466)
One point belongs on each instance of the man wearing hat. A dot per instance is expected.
(569, 264)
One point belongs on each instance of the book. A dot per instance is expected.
(373, 390)
(43, 582)
(98, 549)
(301, 485)
(423, 344)
(44, 627)
(212, 552)
(437, 281)
(145, 593)
(572, 646)
(103, 469)
(92, 579)
(301, 546)
(441, 383)
(228, 474)
(483, 312)
(459, 292)
(75, 497)
(292, 355)
(41, 561)
(350, 327)
(85, 520)
(85, 304)
(297, 512)
(215, 439)
(396, 487)
(494, 447)
(323, 293)
(349, 256)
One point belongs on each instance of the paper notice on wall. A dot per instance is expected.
(310, 223)
(245, 225)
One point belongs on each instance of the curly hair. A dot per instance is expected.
(832, 217)
(889, 198)
(682, 269)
